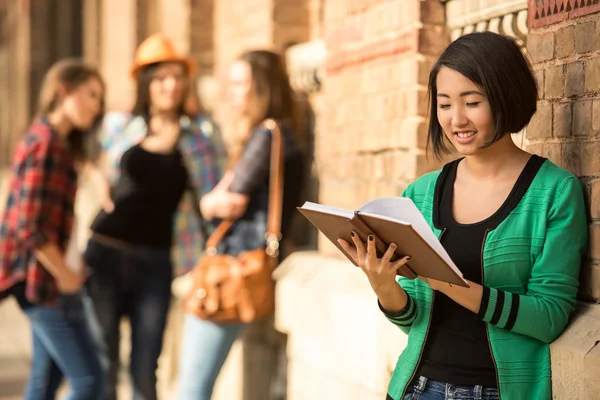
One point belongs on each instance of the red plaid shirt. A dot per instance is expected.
(40, 209)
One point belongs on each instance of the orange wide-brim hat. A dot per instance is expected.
(158, 48)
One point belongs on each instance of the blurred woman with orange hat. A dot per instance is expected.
(159, 163)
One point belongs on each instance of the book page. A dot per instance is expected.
(402, 209)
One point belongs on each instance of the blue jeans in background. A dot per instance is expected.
(426, 389)
(134, 282)
(63, 346)
(204, 348)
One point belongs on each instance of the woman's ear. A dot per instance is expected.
(61, 93)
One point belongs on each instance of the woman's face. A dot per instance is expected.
(464, 112)
(167, 87)
(239, 88)
(82, 106)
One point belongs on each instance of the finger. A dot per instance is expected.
(360, 247)
(389, 253)
(109, 206)
(349, 249)
(397, 265)
(226, 181)
(371, 250)
(241, 198)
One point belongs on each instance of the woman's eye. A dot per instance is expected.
(474, 104)
(444, 106)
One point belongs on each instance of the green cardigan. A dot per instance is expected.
(531, 265)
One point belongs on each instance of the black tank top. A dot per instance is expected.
(145, 197)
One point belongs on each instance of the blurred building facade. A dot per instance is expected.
(360, 68)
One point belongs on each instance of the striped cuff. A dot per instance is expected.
(404, 317)
(499, 308)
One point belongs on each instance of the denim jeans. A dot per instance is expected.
(204, 348)
(63, 346)
(425, 389)
(135, 282)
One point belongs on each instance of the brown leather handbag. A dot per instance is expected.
(240, 288)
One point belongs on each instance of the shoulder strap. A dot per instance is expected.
(276, 173)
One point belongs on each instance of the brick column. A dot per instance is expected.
(174, 21)
(372, 136)
(15, 54)
(202, 35)
(241, 25)
(92, 31)
(119, 41)
(564, 43)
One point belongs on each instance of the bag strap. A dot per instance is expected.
(276, 173)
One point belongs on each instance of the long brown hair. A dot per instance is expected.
(142, 100)
(69, 74)
(272, 95)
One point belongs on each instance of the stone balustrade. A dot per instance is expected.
(507, 17)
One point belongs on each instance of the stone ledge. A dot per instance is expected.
(336, 333)
(576, 357)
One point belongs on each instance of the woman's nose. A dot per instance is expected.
(459, 117)
(170, 82)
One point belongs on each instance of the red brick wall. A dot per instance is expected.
(240, 25)
(202, 35)
(566, 128)
(290, 22)
(373, 130)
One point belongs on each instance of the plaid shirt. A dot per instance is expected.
(40, 209)
(204, 157)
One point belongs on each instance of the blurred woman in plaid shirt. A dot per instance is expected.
(36, 229)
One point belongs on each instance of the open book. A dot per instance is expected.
(391, 220)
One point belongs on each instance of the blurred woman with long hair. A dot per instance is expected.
(37, 225)
(258, 88)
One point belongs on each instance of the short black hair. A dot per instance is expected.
(496, 64)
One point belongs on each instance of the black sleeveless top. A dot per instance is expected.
(146, 197)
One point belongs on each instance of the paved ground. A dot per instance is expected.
(15, 348)
(15, 354)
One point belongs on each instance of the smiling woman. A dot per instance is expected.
(515, 225)
(494, 88)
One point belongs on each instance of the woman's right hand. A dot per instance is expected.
(223, 204)
(71, 282)
(381, 272)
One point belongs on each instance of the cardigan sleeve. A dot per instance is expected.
(544, 310)
(404, 318)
